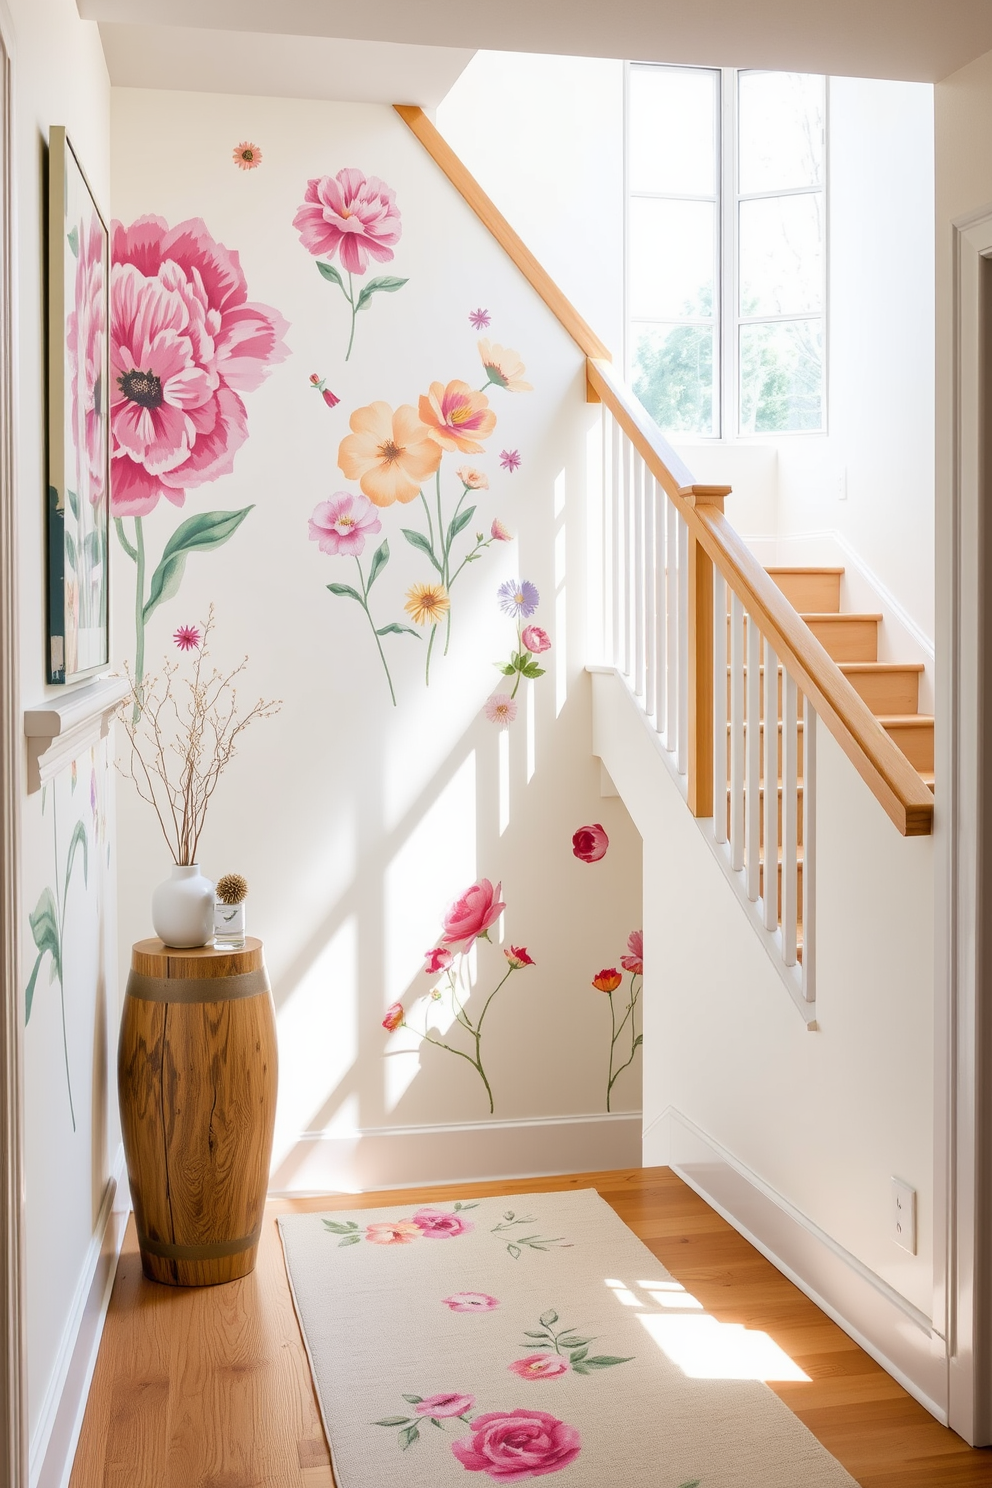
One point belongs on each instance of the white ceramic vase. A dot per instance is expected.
(183, 908)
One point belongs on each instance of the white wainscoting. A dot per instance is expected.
(401, 1157)
(53, 1445)
(895, 1333)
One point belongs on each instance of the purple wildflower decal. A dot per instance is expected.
(509, 460)
(518, 599)
(480, 319)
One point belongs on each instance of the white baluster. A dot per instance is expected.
(721, 683)
(682, 758)
(790, 824)
(809, 851)
(650, 609)
(672, 595)
(616, 551)
(659, 503)
(771, 789)
(626, 522)
(752, 830)
(637, 570)
(736, 733)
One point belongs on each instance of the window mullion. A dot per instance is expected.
(729, 298)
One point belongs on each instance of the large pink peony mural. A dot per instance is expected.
(185, 344)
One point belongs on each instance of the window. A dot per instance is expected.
(725, 249)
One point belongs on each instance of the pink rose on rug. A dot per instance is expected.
(445, 1405)
(472, 914)
(393, 1232)
(341, 524)
(590, 843)
(435, 1224)
(185, 342)
(470, 1302)
(540, 1366)
(512, 1445)
(437, 959)
(634, 960)
(351, 213)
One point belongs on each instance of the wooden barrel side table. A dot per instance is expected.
(197, 1074)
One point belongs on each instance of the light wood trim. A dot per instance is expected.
(700, 793)
(492, 218)
(890, 777)
(13, 1350)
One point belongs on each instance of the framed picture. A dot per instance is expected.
(78, 421)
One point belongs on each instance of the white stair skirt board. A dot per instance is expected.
(53, 1445)
(406, 1157)
(895, 1333)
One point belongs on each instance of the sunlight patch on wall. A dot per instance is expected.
(318, 1036)
(435, 864)
(531, 726)
(504, 781)
(561, 608)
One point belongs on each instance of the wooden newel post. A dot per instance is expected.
(700, 576)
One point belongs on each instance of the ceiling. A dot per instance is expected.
(410, 51)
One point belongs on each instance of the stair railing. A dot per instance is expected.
(706, 639)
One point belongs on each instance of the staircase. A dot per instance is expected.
(890, 689)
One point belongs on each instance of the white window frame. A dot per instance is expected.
(726, 296)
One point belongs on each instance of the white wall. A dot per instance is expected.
(59, 78)
(354, 822)
(544, 137)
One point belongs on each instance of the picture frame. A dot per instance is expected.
(78, 530)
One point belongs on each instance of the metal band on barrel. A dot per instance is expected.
(218, 1250)
(198, 989)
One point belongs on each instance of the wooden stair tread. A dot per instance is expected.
(802, 568)
(905, 720)
(835, 616)
(863, 667)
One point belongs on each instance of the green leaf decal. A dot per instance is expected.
(393, 629)
(77, 840)
(70, 550)
(408, 1436)
(72, 237)
(349, 1240)
(392, 1421)
(73, 503)
(45, 931)
(199, 534)
(548, 1318)
(639, 1040)
(336, 1228)
(29, 989)
(413, 1399)
(460, 523)
(346, 592)
(418, 540)
(604, 1361)
(530, 670)
(331, 273)
(514, 1251)
(379, 561)
(528, 1333)
(386, 282)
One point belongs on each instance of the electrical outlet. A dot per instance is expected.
(904, 1215)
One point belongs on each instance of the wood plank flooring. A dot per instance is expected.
(211, 1388)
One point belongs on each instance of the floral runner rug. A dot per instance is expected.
(515, 1338)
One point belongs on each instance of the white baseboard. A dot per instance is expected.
(888, 1327)
(53, 1445)
(402, 1157)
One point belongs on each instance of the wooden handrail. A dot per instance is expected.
(492, 218)
(881, 764)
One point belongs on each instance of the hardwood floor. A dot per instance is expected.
(211, 1388)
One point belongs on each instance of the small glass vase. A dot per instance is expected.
(229, 925)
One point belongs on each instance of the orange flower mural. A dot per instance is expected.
(389, 454)
(457, 417)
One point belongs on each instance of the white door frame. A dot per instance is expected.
(963, 859)
(13, 1371)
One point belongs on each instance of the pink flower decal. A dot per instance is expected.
(501, 709)
(539, 1366)
(246, 156)
(498, 532)
(518, 957)
(437, 959)
(472, 914)
(480, 319)
(471, 1302)
(513, 1445)
(535, 639)
(185, 343)
(590, 843)
(509, 460)
(634, 960)
(187, 637)
(342, 524)
(85, 332)
(400, 1232)
(457, 416)
(440, 1406)
(435, 1224)
(476, 480)
(394, 1016)
(351, 214)
(319, 385)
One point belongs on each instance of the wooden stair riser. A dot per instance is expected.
(778, 814)
(809, 590)
(915, 738)
(886, 687)
(846, 637)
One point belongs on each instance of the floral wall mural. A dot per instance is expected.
(404, 558)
